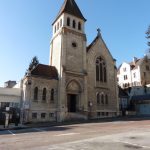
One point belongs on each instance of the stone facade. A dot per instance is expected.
(109, 88)
(34, 108)
(78, 94)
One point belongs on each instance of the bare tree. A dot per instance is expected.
(148, 36)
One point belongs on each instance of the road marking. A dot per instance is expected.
(37, 129)
(54, 148)
(138, 145)
(91, 132)
(11, 132)
(66, 134)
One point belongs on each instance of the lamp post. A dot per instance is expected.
(90, 106)
(7, 117)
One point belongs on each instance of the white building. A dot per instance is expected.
(135, 73)
(10, 97)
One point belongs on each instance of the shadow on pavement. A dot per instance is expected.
(47, 126)
(33, 130)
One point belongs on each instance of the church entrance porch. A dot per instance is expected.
(74, 111)
(73, 101)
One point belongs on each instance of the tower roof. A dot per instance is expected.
(70, 7)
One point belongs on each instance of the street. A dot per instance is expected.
(117, 135)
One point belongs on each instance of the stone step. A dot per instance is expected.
(76, 116)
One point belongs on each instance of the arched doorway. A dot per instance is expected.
(73, 96)
(72, 102)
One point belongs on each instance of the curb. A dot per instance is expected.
(53, 124)
(14, 128)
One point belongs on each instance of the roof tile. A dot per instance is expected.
(70, 7)
(45, 71)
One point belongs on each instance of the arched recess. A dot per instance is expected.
(73, 90)
(74, 86)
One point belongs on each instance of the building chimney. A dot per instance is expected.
(10, 84)
(134, 60)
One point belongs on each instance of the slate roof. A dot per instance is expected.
(139, 62)
(132, 64)
(70, 7)
(122, 92)
(93, 42)
(45, 71)
(140, 97)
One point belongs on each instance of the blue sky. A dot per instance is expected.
(25, 30)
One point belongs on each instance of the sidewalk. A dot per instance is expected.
(51, 124)
(12, 126)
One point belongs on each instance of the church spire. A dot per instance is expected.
(70, 7)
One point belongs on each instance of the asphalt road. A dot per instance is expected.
(119, 135)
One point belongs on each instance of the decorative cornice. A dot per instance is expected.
(75, 73)
(65, 30)
(102, 87)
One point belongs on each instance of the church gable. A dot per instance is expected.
(98, 47)
(100, 63)
(101, 77)
(74, 86)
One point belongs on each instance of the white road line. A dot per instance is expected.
(54, 148)
(11, 132)
(142, 146)
(66, 134)
(37, 129)
(91, 131)
(23, 134)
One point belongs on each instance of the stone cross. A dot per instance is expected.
(98, 32)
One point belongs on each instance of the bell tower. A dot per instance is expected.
(68, 55)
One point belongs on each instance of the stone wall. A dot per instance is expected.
(144, 71)
(94, 87)
(40, 106)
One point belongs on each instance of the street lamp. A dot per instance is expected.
(90, 106)
(7, 117)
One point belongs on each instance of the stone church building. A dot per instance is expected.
(80, 81)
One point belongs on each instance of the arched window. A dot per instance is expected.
(68, 21)
(36, 93)
(79, 26)
(98, 98)
(52, 95)
(44, 94)
(97, 70)
(106, 99)
(74, 24)
(102, 99)
(101, 72)
(105, 75)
